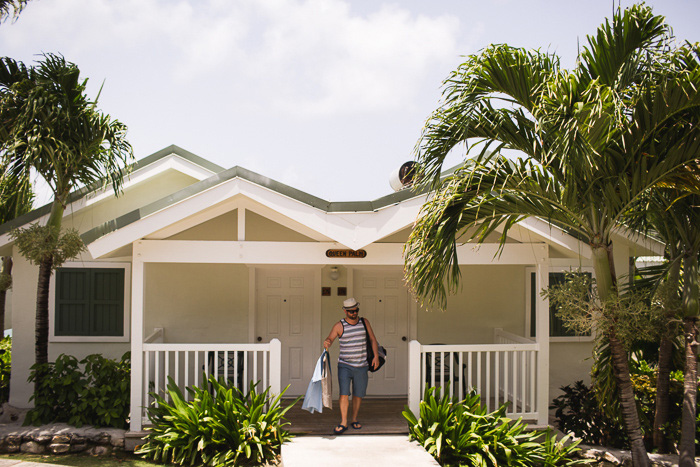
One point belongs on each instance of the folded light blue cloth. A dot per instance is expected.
(313, 400)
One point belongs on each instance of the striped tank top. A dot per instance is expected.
(353, 344)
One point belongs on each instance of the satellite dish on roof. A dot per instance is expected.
(403, 176)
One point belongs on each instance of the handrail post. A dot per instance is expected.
(137, 300)
(542, 323)
(275, 366)
(414, 395)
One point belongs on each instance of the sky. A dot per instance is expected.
(328, 96)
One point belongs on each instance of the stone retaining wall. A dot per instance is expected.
(60, 439)
(610, 457)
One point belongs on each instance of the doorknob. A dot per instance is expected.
(403, 338)
(259, 339)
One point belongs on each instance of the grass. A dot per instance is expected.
(121, 459)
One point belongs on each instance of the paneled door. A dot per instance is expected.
(284, 302)
(384, 302)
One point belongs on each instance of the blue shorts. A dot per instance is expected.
(358, 376)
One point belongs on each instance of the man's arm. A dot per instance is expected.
(336, 331)
(375, 346)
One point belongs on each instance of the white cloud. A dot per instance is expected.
(346, 63)
(314, 57)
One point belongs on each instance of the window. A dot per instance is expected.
(556, 326)
(89, 302)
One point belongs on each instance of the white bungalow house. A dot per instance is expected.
(195, 268)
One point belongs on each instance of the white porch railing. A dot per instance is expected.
(505, 372)
(188, 364)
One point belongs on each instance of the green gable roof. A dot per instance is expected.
(81, 192)
(245, 174)
(220, 176)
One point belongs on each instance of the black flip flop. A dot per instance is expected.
(340, 429)
(356, 425)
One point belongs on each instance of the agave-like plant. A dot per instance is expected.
(464, 432)
(219, 425)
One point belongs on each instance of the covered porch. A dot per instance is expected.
(506, 368)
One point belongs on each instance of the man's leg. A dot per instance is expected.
(344, 381)
(359, 390)
(344, 403)
(356, 401)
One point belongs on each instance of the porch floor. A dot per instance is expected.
(378, 416)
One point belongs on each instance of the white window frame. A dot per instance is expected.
(127, 303)
(528, 297)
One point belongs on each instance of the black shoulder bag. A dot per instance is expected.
(370, 351)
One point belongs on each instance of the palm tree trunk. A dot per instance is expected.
(663, 377)
(628, 403)
(690, 387)
(42, 312)
(663, 391)
(691, 311)
(41, 330)
(606, 280)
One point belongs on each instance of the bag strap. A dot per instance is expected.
(365, 326)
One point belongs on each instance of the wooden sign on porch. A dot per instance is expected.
(346, 253)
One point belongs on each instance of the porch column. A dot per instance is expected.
(137, 278)
(414, 379)
(542, 327)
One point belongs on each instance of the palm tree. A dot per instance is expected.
(11, 8)
(672, 216)
(676, 223)
(47, 123)
(595, 139)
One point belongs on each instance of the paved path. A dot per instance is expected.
(19, 463)
(354, 450)
(336, 451)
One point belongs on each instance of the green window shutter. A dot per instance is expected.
(72, 302)
(89, 302)
(107, 307)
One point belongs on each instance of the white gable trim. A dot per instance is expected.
(556, 236)
(243, 204)
(171, 162)
(648, 244)
(353, 230)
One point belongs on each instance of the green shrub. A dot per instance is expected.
(465, 433)
(219, 425)
(577, 411)
(5, 367)
(94, 391)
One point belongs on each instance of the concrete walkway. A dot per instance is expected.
(336, 451)
(354, 450)
(19, 463)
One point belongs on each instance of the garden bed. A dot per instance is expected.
(609, 457)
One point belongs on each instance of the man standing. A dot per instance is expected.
(352, 361)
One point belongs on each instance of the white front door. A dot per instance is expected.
(285, 311)
(384, 302)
